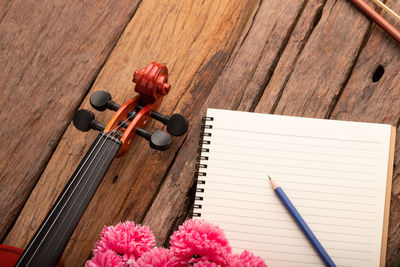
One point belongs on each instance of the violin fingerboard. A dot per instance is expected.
(51, 238)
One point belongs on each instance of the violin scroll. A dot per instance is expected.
(131, 118)
(152, 82)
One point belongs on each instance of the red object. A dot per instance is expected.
(152, 85)
(152, 82)
(377, 18)
(9, 255)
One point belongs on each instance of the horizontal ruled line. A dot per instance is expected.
(296, 159)
(346, 249)
(269, 234)
(295, 237)
(348, 242)
(303, 198)
(292, 143)
(303, 213)
(253, 217)
(245, 193)
(273, 259)
(289, 150)
(290, 181)
(301, 136)
(269, 259)
(332, 193)
(331, 185)
(286, 228)
(263, 172)
(297, 190)
(247, 208)
(274, 243)
(357, 259)
(303, 206)
(278, 251)
(297, 245)
(292, 166)
(284, 220)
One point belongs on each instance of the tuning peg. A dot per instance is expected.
(84, 121)
(177, 125)
(101, 101)
(158, 140)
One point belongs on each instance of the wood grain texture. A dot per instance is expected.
(323, 65)
(191, 37)
(264, 38)
(47, 63)
(305, 58)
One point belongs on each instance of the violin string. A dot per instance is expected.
(73, 179)
(91, 185)
(80, 192)
(65, 192)
(58, 202)
(387, 9)
(76, 186)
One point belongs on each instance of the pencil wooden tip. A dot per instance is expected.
(274, 185)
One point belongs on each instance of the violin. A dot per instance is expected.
(114, 140)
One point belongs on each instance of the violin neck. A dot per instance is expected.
(51, 238)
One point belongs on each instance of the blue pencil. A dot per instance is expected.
(303, 225)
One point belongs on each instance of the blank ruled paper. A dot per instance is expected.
(334, 172)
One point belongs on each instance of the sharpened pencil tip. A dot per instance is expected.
(274, 185)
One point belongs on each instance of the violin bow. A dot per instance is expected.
(387, 9)
(114, 140)
(377, 18)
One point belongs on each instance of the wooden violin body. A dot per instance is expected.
(114, 139)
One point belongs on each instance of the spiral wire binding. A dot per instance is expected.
(200, 164)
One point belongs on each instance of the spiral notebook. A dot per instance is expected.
(337, 174)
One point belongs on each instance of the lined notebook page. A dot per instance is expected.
(334, 172)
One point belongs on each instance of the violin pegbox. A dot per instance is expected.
(130, 118)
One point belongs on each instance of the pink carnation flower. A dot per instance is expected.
(156, 257)
(197, 240)
(246, 258)
(205, 264)
(126, 239)
(197, 243)
(105, 259)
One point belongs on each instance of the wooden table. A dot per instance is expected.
(306, 58)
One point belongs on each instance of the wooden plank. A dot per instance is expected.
(195, 39)
(285, 59)
(369, 97)
(272, 89)
(264, 39)
(322, 67)
(47, 63)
